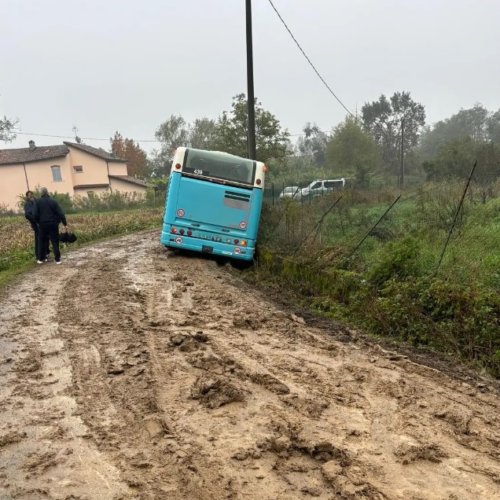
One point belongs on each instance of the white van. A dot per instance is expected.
(319, 187)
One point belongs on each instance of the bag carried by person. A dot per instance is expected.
(67, 237)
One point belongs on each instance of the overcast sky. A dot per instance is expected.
(127, 65)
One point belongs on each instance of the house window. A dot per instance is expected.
(78, 169)
(56, 173)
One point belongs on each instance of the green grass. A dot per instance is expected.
(391, 285)
(9, 275)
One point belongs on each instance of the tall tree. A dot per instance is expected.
(493, 126)
(313, 142)
(352, 148)
(157, 167)
(172, 133)
(137, 159)
(203, 133)
(384, 118)
(476, 123)
(454, 160)
(7, 127)
(232, 128)
(175, 132)
(228, 133)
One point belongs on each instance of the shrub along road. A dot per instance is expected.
(129, 373)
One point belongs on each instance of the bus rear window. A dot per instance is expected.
(221, 166)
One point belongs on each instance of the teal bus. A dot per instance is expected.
(213, 204)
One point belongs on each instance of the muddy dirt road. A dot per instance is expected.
(128, 373)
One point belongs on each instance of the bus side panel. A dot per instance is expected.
(170, 206)
(254, 215)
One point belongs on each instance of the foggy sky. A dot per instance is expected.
(127, 65)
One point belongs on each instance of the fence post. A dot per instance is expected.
(460, 205)
(317, 225)
(369, 232)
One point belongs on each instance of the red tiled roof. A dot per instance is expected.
(100, 153)
(28, 155)
(128, 178)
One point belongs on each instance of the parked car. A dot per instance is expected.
(290, 192)
(320, 186)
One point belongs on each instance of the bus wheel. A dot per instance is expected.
(256, 253)
(221, 261)
(242, 265)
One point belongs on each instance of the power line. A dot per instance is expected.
(157, 141)
(86, 138)
(309, 61)
(55, 136)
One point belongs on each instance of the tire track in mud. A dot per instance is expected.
(43, 448)
(175, 381)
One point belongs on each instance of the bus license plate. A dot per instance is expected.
(207, 249)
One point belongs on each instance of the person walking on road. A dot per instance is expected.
(29, 214)
(48, 215)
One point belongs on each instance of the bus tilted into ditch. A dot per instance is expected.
(213, 204)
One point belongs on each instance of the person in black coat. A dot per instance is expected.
(48, 215)
(29, 214)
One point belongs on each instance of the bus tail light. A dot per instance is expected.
(236, 242)
(178, 166)
(243, 243)
(258, 182)
(181, 231)
(174, 230)
(189, 233)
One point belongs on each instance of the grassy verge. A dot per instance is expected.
(390, 286)
(17, 245)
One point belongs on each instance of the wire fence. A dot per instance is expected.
(369, 222)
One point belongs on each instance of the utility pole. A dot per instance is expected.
(252, 150)
(402, 173)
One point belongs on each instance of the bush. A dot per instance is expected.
(5, 211)
(106, 201)
(397, 260)
(115, 200)
(456, 318)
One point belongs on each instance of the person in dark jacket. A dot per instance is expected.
(29, 214)
(48, 215)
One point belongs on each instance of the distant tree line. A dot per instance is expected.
(388, 138)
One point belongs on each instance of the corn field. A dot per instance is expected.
(17, 241)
